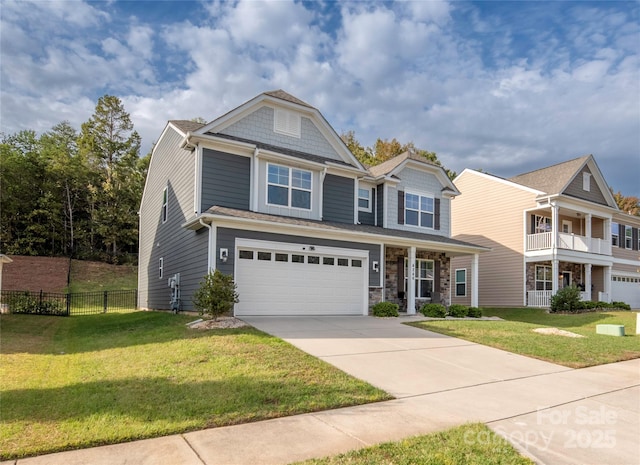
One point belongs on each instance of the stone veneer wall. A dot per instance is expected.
(575, 268)
(375, 296)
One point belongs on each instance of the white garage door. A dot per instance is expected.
(296, 279)
(625, 289)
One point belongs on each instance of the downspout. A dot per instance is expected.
(211, 264)
(323, 174)
(255, 167)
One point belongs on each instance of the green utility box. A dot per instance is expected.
(610, 330)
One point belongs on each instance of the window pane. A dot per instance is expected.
(426, 204)
(246, 254)
(278, 195)
(301, 179)
(282, 257)
(411, 201)
(461, 289)
(364, 193)
(313, 260)
(264, 255)
(300, 199)
(426, 220)
(411, 217)
(356, 263)
(343, 262)
(297, 258)
(363, 203)
(328, 261)
(461, 276)
(278, 175)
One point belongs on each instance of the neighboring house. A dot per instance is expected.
(549, 228)
(270, 194)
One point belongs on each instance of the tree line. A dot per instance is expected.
(74, 193)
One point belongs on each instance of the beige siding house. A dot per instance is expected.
(549, 228)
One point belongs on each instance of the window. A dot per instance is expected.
(295, 258)
(542, 224)
(586, 182)
(160, 267)
(628, 237)
(313, 260)
(424, 277)
(364, 200)
(328, 261)
(356, 263)
(165, 201)
(266, 256)
(343, 262)
(461, 283)
(418, 210)
(615, 239)
(246, 254)
(287, 123)
(282, 257)
(288, 187)
(544, 280)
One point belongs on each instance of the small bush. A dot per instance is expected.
(29, 304)
(621, 305)
(384, 309)
(566, 299)
(474, 312)
(216, 294)
(458, 311)
(434, 310)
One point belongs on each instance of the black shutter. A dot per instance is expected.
(634, 238)
(401, 278)
(400, 207)
(621, 237)
(436, 214)
(533, 224)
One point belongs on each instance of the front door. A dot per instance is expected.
(566, 278)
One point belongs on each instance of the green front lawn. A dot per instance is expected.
(516, 335)
(73, 382)
(473, 444)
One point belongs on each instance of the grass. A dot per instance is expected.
(77, 382)
(472, 444)
(87, 276)
(515, 335)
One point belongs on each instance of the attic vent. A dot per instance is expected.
(586, 181)
(286, 122)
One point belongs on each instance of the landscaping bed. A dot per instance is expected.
(77, 382)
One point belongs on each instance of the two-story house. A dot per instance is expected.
(549, 228)
(270, 194)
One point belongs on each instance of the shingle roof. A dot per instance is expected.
(282, 150)
(389, 165)
(186, 125)
(333, 226)
(552, 179)
(282, 95)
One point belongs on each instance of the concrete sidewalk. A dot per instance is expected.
(555, 414)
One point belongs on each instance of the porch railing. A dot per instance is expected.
(543, 298)
(542, 241)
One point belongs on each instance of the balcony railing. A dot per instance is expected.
(542, 241)
(543, 298)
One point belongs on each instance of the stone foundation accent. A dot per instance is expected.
(375, 296)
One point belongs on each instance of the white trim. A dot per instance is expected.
(383, 267)
(475, 271)
(385, 202)
(290, 188)
(433, 213)
(370, 198)
(164, 208)
(628, 228)
(197, 194)
(356, 207)
(586, 181)
(287, 122)
(161, 268)
(294, 247)
(455, 274)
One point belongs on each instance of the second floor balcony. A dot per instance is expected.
(569, 241)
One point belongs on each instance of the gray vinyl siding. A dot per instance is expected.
(226, 238)
(226, 180)
(337, 199)
(419, 182)
(258, 126)
(380, 204)
(183, 251)
(574, 189)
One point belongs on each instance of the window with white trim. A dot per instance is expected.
(288, 187)
(418, 210)
(287, 123)
(615, 230)
(165, 204)
(586, 181)
(544, 278)
(160, 268)
(628, 237)
(461, 282)
(364, 199)
(542, 225)
(424, 277)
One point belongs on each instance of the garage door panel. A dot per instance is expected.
(624, 289)
(295, 288)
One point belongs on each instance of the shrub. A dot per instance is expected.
(566, 299)
(434, 310)
(474, 312)
(621, 305)
(458, 311)
(383, 309)
(28, 304)
(216, 294)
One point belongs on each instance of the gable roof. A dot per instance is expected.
(552, 179)
(186, 125)
(282, 95)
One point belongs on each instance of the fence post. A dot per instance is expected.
(68, 297)
(104, 304)
(136, 291)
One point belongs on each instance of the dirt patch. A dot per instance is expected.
(556, 332)
(224, 322)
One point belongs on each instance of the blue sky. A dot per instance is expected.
(503, 86)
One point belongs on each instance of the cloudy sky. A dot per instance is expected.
(503, 86)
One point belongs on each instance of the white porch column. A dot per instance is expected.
(587, 232)
(587, 280)
(411, 282)
(555, 227)
(606, 224)
(555, 272)
(607, 282)
(474, 279)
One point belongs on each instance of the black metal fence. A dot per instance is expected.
(81, 303)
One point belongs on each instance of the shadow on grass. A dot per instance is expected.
(40, 334)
